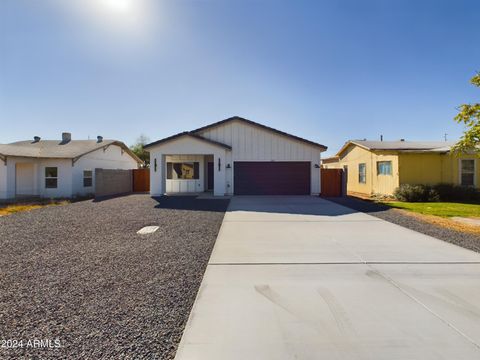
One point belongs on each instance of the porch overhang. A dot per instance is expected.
(186, 134)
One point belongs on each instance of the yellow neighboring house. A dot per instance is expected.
(379, 167)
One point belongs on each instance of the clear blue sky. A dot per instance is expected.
(325, 70)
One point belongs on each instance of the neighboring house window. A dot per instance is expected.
(384, 168)
(185, 171)
(87, 178)
(51, 177)
(362, 173)
(467, 172)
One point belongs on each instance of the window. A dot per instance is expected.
(51, 177)
(87, 178)
(467, 172)
(362, 173)
(183, 171)
(384, 168)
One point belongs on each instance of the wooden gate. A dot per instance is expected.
(141, 180)
(331, 181)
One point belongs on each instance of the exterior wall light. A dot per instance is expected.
(229, 166)
(219, 165)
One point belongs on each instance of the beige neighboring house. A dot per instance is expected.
(379, 167)
(59, 168)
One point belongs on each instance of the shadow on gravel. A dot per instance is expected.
(109, 197)
(191, 203)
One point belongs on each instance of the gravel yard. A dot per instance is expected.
(79, 273)
(466, 240)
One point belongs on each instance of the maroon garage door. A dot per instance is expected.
(271, 178)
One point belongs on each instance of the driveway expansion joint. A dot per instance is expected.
(426, 307)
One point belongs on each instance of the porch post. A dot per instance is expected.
(157, 173)
(219, 164)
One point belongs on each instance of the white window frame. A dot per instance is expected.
(474, 171)
(364, 173)
(87, 177)
(385, 161)
(50, 177)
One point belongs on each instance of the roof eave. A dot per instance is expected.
(347, 144)
(105, 146)
(186, 133)
(420, 151)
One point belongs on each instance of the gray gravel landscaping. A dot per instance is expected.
(466, 240)
(79, 273)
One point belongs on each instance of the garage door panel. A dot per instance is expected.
(272, 178)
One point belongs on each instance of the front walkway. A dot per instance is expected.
(304, 278)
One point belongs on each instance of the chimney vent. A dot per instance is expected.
(99, 138)
(36, 139)
(402, 139)
(381, 137)
(66, 137)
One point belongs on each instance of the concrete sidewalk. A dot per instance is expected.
(304, 278)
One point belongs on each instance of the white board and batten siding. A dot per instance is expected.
(252, 143)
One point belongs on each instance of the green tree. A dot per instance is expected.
(138, 149)
(469, 115)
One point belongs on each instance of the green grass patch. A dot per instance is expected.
(443, 209)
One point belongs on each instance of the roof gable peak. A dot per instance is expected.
(258, 125)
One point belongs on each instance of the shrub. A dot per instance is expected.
(445, 191)
(432, 195)
(439, 192)
(416, 193)
(465, 193)
(450, 192)
(381, 197)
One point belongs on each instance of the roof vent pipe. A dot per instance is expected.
(381, 137)
(36, 139)
(402, 139)
(99, 138)
(66, 137)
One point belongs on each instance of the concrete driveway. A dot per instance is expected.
(304, 278)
